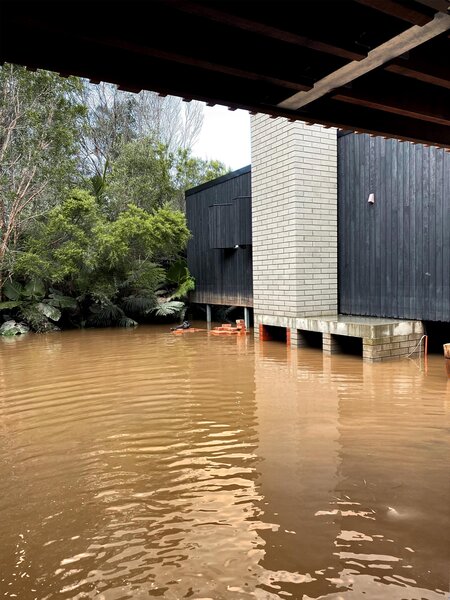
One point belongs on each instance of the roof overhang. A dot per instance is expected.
(375, 66)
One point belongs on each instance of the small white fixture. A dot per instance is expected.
(371, 199)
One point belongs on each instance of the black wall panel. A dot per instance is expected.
(394, 254)
(219, 217)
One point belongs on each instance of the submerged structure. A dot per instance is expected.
(350, 239)
(362, 65)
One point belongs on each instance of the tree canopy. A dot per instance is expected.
(92, 184)
(39, 123)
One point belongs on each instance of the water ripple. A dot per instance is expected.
(137, 464)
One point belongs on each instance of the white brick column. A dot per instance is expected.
(294, 215)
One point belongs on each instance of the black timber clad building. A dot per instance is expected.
(394, 253)
(219, 254)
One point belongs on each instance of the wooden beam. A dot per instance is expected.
(191, 61)
(385, 92)
(325, 112)
(365, 120)
(143, 50)
(427, 72)
(254, 26)
(400, 11)
(411, 38)
(420, 72)
(440, 5)
(430, 110)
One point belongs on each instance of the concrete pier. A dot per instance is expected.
(381, 339)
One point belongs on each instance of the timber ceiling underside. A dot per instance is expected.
(376, 66)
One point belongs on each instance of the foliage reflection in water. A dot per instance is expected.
(137, 464)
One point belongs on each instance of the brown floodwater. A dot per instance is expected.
(139, 464)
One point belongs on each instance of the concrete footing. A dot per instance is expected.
(379, 339)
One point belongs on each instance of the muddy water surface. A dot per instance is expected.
(138, 464)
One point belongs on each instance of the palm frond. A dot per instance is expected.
(127, 322)
(178, 275)
(146, 275)
(105, 314)
(184, 288)
(168, 308)
(12, 290)
(177, 271)
(9, 304)
(138, 304)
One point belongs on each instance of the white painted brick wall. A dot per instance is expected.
(294, 214)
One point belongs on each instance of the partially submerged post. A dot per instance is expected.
(447, 358)
(247, 317)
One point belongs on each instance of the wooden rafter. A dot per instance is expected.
(383, 91)
(169, 56)
(409, 39)
(440, 5)
(400, 11)
(433, 111)
(422, 71)
(214, 60)
(269, 31)
(364, 120)
(185, 59)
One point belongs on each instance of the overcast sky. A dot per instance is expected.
(225, 136)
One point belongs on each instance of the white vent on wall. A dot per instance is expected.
(371, 199)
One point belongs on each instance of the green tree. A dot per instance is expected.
(39, 122)
(190, 171)
(141, 175)
(148, 175)
(113, 267)
(61, 248)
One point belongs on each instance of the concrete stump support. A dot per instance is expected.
(330, 345)
(400, 346)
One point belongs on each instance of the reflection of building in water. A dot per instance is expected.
(354, 471)
(394, 462)
(297, 412)
(202, 470)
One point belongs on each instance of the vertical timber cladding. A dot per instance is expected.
(219, 218)
(394, 254)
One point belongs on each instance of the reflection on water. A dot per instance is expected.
(137, 464)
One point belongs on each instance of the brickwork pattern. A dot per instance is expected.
(399, 346)
(330, 345)
(295, 338)
(294, 214)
